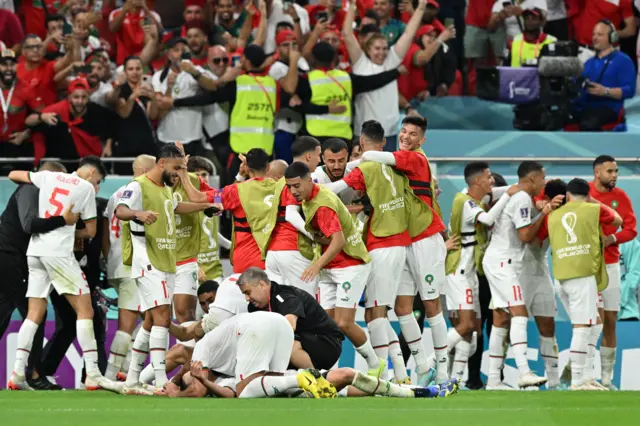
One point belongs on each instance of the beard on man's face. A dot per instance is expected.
(8, 77)
(168, 178)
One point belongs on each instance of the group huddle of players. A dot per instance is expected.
(308, 242)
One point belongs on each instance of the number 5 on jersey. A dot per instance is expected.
(55, 202)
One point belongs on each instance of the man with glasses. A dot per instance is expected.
(38, 73)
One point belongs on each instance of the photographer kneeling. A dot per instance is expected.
(609, 79)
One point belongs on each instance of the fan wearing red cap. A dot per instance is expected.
(326, 11)
(506, 14)
(526, 47)
(194, 10)
(127, 23)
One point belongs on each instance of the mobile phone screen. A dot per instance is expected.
(449, 22)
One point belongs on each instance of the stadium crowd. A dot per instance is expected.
(324, 185)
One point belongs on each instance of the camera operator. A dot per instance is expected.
(609, 79)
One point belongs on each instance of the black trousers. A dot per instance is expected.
(13, 290)
(323, 350)
(592, 119)
(65, 333)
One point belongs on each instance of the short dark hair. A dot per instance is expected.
(284, 24)
(555, 187)
(169, 150)
(416, 121)
(370, 29)
(578, 187)
(209, 286)
(371, 14)
(199, 163)
(323, 54)
(499, 179)
(373, 131)
(131, 58)
(601, 159)
(95, 162)
(297, 169)
(257, 159)
(53, 166)
(334, 145)
(527, 167)
(304, 144)
(473, 168)
(53, 18)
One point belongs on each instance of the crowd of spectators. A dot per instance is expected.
(103, 77)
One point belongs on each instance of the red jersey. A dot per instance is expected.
(39, 80)
(614, 11)
(413, 83)
(284, 236)
(130, 36)
(479, 13)
(326, 220)
(23, 100)
(618, 200)
(416, 167)
(355, 179)
(245, 252)
(35, 15)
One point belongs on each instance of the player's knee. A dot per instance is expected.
(345, 323)
(465, 326)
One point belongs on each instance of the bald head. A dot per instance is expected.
(142, 164)
(276, 169)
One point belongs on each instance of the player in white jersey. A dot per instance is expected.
(502, 265)
(53, 265)
(119, 274)
(462, 287)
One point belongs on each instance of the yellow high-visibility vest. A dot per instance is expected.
(327, 86)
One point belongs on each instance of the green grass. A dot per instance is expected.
(465, 408)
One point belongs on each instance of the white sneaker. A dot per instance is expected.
(18, 383)
(137, 389)
(531, 379)
(596, 385)
(499, 387)
(110, 385)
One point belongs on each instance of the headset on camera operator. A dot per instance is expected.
(607, 80)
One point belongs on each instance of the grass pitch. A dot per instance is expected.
(465, 408)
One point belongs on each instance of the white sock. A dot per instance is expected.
(374, 386)
(379, 338)
(496, 354)
(594, 336)
(158, 351)
(117, 354)
(139, 352)
(25, 342)
(395, 353)
(147, 376)
(411, 333)
(369, 355)
(453, 337)
(519, 343)
(579, 345)
(87, 339)
(549, 354)
(439, 335)
(607, 362)
(460, 359)
(265, 386)
(474, 344)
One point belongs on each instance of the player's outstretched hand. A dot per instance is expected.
(310, 273)
(453, 243)
(513, 190)
(553, 204)
(70, 217)
(147, 218)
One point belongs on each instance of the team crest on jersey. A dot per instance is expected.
(524, 212)
(615, 204)
(126, 194)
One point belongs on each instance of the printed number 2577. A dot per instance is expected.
(55, 201)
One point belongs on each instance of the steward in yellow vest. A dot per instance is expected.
(526, 47)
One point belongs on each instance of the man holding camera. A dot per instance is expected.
(609, 79)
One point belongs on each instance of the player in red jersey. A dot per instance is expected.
(248, 210)
(425, 269)
(603, 188)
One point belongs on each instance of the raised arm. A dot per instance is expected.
(19, 176)
(350, 40)
(379, 157)
(404, 42)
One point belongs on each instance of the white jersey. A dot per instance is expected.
(321, 177)
(535, 256)
(505, 243)
(57, 192)
(115, 267)
(470, 212)
(218, 349)
(229, 297)
(132, 197)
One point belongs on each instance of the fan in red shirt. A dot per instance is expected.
(335, 16)
(34, 14)
(615, 11)
(37, 73)
(603, 188)
(284, 263)
(347, 273)
(127, 23)
(425, 270)
(17, 101)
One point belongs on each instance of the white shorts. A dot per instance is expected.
(611, 294)
(265, 340)
(539, 294)
(286, 267)
(424, 271)
(60, 273)
(580, 296)
(187, 279)
(504, 281)
(347, 285)
(155, 288)
(127, 290)
(462, 292)
(384, 280)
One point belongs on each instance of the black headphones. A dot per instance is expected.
(613, 34)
